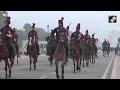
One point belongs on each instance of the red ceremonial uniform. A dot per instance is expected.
(36, 35)
(67, 31)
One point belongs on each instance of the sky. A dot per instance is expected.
(95, 21)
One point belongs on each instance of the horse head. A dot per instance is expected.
(84, 44)
(31, 41)
(62, 36)
(73, 44)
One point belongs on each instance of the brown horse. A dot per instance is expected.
(60, 53)
(4, 54)
(92, 51)
(75, 55)
(17, 51)
(85, 53)
(32, 52)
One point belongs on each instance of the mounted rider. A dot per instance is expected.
(94, 41)
(87, 38)
(7, 32)
(77, 36)
(104, 44)
(15, 38)
(49, 40)
(34, 35)
(57, 30)
(108, 45)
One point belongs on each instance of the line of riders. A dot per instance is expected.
(76, 36)
(11, 38)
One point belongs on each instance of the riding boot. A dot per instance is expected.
(70, 55)
(51, 57)
(38, 49)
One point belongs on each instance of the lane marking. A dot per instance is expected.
(114, 70)
(25, 66)
(43, 77)
(53, 73)
(106, 71)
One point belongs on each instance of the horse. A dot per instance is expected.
(75, 55)
(32, 52)
(4, 55)
(108, 50)
(92, 51)
(105, 50)
(85, 53)
(17, 51)
(49, 49)
(60, 53)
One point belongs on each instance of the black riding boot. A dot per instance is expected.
(47, 50)
(38, 49)
(51, 57)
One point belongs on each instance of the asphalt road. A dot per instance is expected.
(45, 71)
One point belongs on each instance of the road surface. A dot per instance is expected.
(100, 70)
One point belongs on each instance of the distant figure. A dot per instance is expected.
(116, 50)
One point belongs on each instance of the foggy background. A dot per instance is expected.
(95, 21)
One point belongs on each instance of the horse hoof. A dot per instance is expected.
(74, 72)
(9, 76)
(58, 77)
(62, 77)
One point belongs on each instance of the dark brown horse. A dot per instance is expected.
(60, 53)
(85, 53)
(75, 55)
(92, 51)
(4, 54)
(17, 51)
(32, 52)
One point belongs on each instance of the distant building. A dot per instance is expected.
(42, 45)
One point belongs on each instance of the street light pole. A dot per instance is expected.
(48, 29)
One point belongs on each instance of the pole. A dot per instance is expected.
(48, 29)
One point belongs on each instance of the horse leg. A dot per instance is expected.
(30, 63)
(74, 64)
(80, 60)
(57, 75)
(17, 59)
(92, 59)
(78, 67)
(35, 60)
(9, 70)
(83, 62)
(62, 66)
(12, 62)
(6, 63)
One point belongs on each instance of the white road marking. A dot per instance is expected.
(114, 70)
(106, 71)
(53, 73)
(43, 77)
(25, 66)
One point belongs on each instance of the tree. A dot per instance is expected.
(27, 27)
(119, 39)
